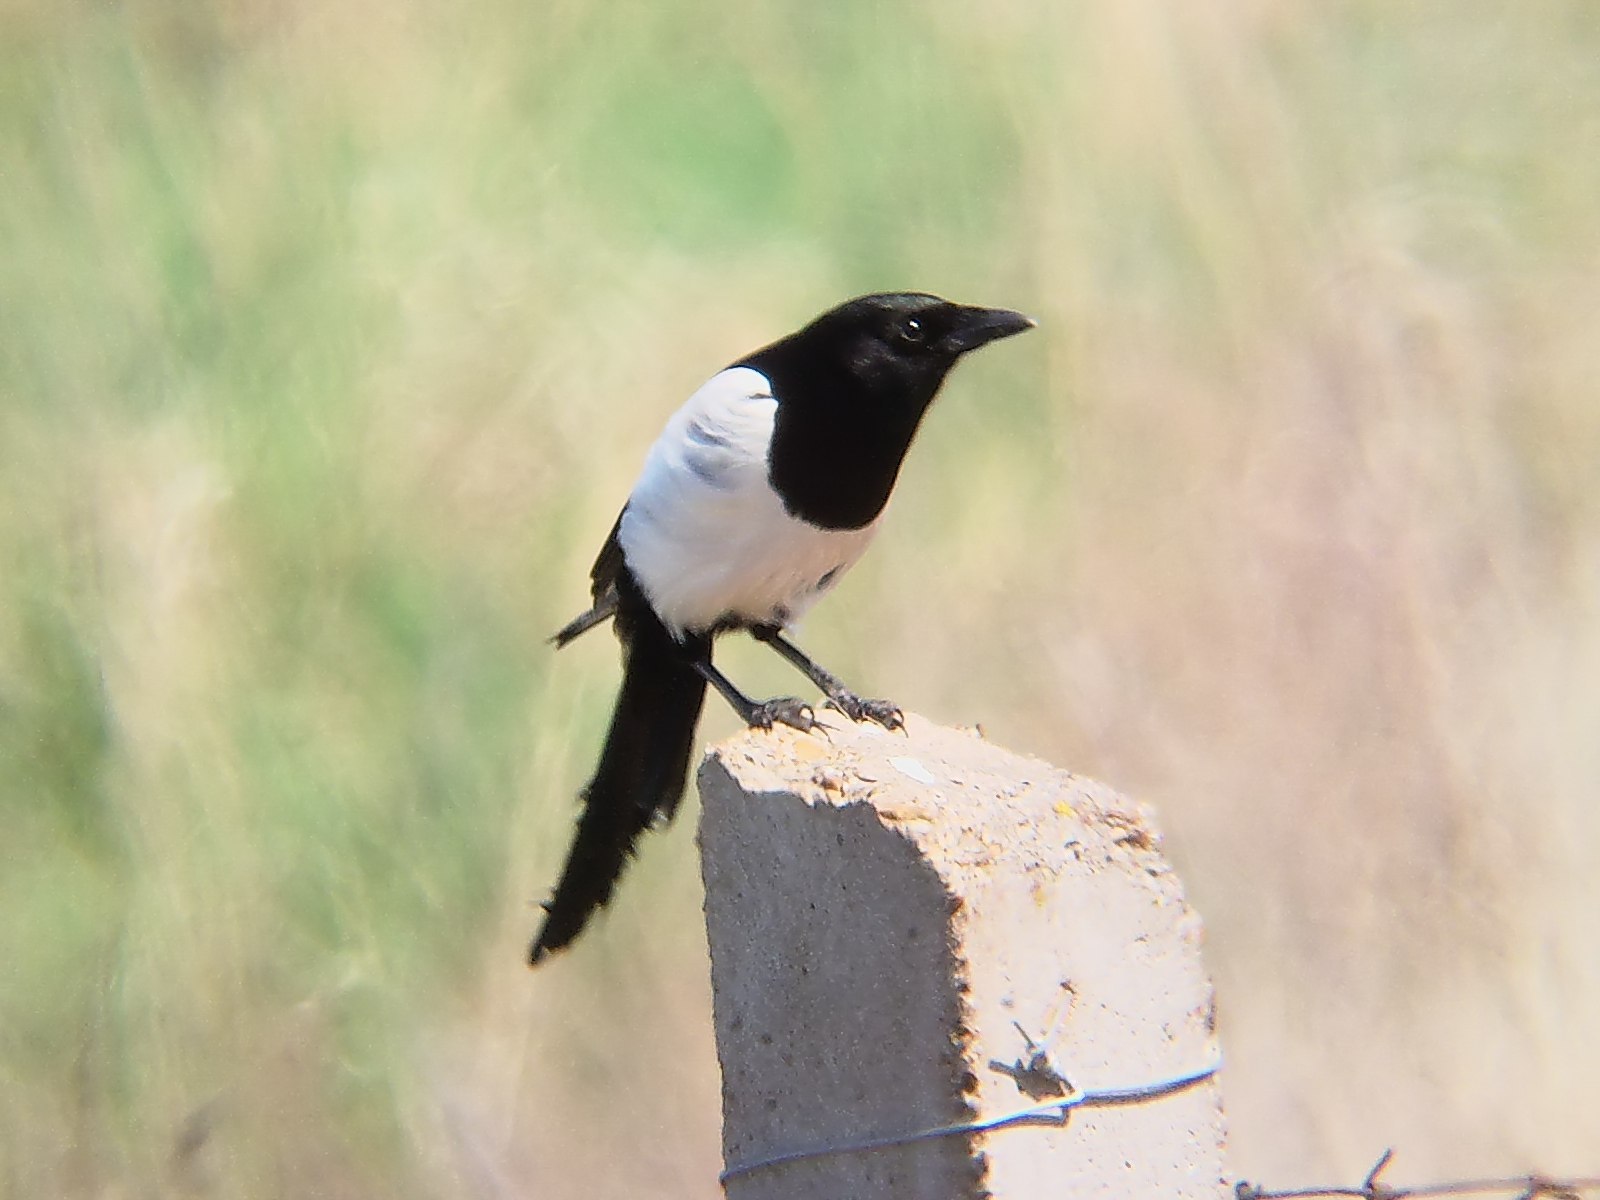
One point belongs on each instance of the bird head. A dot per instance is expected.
(852, 388)
(902, 344)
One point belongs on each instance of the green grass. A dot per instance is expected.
(330, 341)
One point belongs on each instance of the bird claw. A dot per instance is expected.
(884, 712)
(786, 710)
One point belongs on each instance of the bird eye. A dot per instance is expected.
(911, 332)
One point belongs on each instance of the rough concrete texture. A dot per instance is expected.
(898, 922)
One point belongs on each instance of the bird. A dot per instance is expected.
(762, 490)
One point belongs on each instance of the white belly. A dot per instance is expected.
(703, 532)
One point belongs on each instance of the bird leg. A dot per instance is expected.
(857, 708)
(763, 714)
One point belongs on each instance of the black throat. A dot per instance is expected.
(839, 435)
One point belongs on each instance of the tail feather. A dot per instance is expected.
(640, 779)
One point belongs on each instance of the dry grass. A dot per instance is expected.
(331, 343)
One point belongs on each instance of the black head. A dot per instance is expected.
(897, 345)
(852, 387)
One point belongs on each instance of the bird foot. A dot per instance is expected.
(786, 710)
(884, 712)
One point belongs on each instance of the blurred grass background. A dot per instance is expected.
(332, 336)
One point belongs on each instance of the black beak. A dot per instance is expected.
(974, 327)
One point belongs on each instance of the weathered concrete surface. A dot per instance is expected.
(885, 910)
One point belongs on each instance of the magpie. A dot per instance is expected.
(762, 490)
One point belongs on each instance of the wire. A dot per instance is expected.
(1053, 1112)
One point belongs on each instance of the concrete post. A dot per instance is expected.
(915, 930)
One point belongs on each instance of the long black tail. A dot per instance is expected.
(641, 774)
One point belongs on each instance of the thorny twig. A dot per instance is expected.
(1521, 1187)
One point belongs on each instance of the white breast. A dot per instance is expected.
(704, 533)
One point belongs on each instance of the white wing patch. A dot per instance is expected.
(705, 534)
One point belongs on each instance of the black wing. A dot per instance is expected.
(603, 576)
